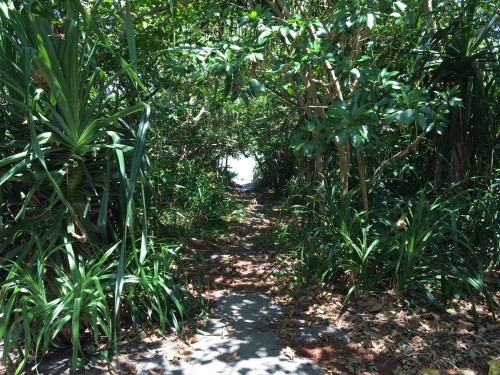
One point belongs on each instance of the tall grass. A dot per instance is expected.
(45, 304)
(434, 254)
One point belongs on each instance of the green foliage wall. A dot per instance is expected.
(74, 254)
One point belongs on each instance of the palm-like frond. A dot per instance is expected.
(465, 55)
(66, 147)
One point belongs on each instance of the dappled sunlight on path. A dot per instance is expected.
(242, 336)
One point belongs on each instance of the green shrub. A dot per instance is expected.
(433, 254)
(44, 304)
(72, 155)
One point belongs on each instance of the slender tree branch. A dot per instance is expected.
(328, 65)
(282, 97)
(284, 7)
(150, 12)
(411, 148)
(362, 179)
(199, 115)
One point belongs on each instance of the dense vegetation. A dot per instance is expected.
(376, 121)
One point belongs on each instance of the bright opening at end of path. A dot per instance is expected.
(243, 167)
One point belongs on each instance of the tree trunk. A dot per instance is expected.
(362, 179)
(428, 7)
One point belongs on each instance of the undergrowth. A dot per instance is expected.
(435, 246)
(48, 303)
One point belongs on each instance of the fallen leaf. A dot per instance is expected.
(230, 357)
(185, 351)
(124, 368)
(190, 339)
(173, 356)
(289, 353)
(178, 356)
(156, 371)
(467, 324)
(227, 333)
(466, 372)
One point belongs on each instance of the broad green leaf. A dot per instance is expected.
(355, 72)
(421, 122)
(402, 6)
(255, 86)
(264, 36)
(370, 20)
(407, 117)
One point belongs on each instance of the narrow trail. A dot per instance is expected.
(242, 336)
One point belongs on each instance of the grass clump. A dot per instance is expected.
(434, 247)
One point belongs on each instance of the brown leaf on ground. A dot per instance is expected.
(190, 339)
(429, 371)
(289, 353)
(231, 357)
(185, 351)
(228, 333)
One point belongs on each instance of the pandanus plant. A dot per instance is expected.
(71, 156)
(464, 55)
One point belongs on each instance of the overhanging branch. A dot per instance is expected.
(150, 12)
